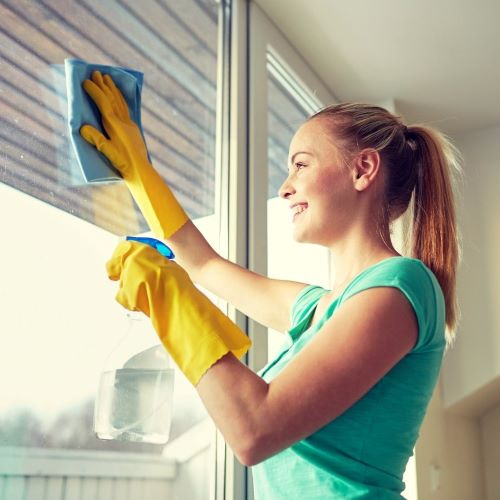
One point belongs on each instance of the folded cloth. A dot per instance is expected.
(81, 111)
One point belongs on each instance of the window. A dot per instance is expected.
(59, 318)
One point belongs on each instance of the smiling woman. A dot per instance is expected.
(364, 361)
(317, 181)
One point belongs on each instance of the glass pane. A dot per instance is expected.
(60, 321)
(287, 259)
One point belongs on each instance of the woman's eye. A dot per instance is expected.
(299, 165)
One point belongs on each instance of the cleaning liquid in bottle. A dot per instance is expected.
(135, 395)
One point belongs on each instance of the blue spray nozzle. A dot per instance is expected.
(156, 244)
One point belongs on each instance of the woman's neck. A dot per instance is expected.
(353, 255)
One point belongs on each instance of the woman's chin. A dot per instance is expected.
(299, 236)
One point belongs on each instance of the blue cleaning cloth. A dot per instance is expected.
(82, 110)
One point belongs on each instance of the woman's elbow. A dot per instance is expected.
(248, 458)
(245, 459)
(254, 453)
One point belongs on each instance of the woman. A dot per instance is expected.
(337, 413)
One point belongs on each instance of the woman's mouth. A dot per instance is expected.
(298, 209)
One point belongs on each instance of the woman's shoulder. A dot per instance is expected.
(407, 269)
(407, 273)
(417, 283)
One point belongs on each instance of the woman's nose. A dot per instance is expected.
(286, 189)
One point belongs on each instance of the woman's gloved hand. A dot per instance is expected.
(125, 149)
(195, 332)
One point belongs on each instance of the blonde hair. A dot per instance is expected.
(418, 162)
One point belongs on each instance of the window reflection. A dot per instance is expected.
(175, 48)
(59, 318)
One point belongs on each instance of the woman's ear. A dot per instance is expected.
(366, 168)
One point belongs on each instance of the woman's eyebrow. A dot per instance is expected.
(298, 153)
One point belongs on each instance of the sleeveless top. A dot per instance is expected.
(363, 452)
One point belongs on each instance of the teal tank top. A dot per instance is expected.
(362, 453)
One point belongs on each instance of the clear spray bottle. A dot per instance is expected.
(135, 395)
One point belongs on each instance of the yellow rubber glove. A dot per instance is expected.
(126, 150)
(195, 332)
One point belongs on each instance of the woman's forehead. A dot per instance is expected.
(314, 136)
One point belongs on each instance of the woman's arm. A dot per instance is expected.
(263, 299)
(355, 348)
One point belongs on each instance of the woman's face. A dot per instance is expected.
(319, 188)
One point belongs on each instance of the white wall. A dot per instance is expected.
(472, 368)
(448, 455)
(457, 452)
(490, 430)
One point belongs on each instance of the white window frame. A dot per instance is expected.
(254, 39)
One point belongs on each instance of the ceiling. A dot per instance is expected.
(438, 59)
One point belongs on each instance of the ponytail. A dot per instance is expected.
(434, 235)
(418, 163)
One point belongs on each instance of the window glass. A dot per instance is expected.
(59, 319)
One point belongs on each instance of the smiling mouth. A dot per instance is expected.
(298, 210)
